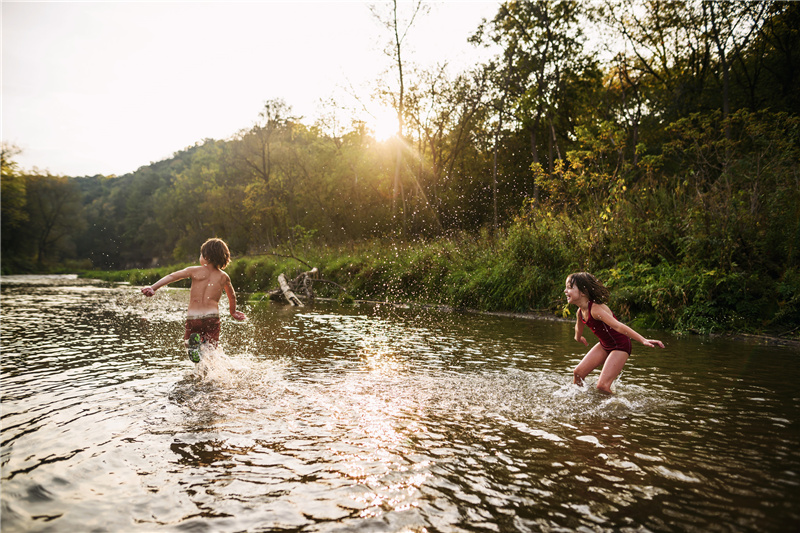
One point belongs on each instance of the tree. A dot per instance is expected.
(256, 155)
(398, 27)
(769, 66)
(730, 25)
(542, 52)
(54, 207)
(14, 200)
(667, 43)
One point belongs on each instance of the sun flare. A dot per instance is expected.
(383, 123)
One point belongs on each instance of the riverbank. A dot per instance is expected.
(524, 275)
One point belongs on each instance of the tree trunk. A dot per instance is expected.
(535, 155)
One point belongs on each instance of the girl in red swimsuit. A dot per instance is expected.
(614, 348)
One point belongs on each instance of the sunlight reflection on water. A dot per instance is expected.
(372, 418)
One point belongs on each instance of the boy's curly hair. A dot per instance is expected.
(590, 286)
(216, 252)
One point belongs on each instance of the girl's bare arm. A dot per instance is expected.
(579, 329)
(603, 313)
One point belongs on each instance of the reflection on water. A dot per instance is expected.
(375, 418)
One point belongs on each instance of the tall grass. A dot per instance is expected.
(523, 269)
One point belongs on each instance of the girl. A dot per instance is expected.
(614, 348)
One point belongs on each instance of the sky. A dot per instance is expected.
(106, 87)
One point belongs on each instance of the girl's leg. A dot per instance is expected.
(611, 369)
(596, 356)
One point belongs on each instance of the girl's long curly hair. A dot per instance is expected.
(590, 286)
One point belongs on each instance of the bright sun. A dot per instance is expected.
(383, 123)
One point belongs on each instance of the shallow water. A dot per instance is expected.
(374, 418)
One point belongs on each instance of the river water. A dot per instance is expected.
(377, 418)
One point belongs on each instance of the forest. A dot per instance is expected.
(654, 143)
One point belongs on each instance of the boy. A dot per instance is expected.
(208, 282)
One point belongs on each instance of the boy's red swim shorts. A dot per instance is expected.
(207, 326)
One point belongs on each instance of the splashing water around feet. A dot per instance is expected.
(215, 367)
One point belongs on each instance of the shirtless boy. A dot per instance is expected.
(208, 282)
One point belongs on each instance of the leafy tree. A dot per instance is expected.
(54, 215)
(543, 52)
(398, 24)
(767, 69)
(255, 156)
(14, 201)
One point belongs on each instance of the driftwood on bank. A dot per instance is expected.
(302, 286)
(288, 293)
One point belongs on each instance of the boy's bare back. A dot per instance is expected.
(208, 283)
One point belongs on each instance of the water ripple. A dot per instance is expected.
(374, 418)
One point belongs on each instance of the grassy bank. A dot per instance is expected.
(523, 271)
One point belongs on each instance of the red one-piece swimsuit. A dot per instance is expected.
(610, 339)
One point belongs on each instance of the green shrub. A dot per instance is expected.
(524, 269)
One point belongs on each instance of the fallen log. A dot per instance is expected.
(302, 284)
(288, 293)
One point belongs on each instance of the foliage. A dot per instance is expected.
(14, 202)
(525, 273)
(41, 215)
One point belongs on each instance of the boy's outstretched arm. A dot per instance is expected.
(237, 315)
(166, 280)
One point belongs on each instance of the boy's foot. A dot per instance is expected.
(194, 347)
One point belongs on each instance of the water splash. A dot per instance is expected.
(215, 367)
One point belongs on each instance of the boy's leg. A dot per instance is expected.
(193, 338)
(611, 369)
(596, 356)
(212, 331)
(201, 331)
(193, 344)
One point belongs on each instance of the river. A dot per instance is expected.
(377, 418)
